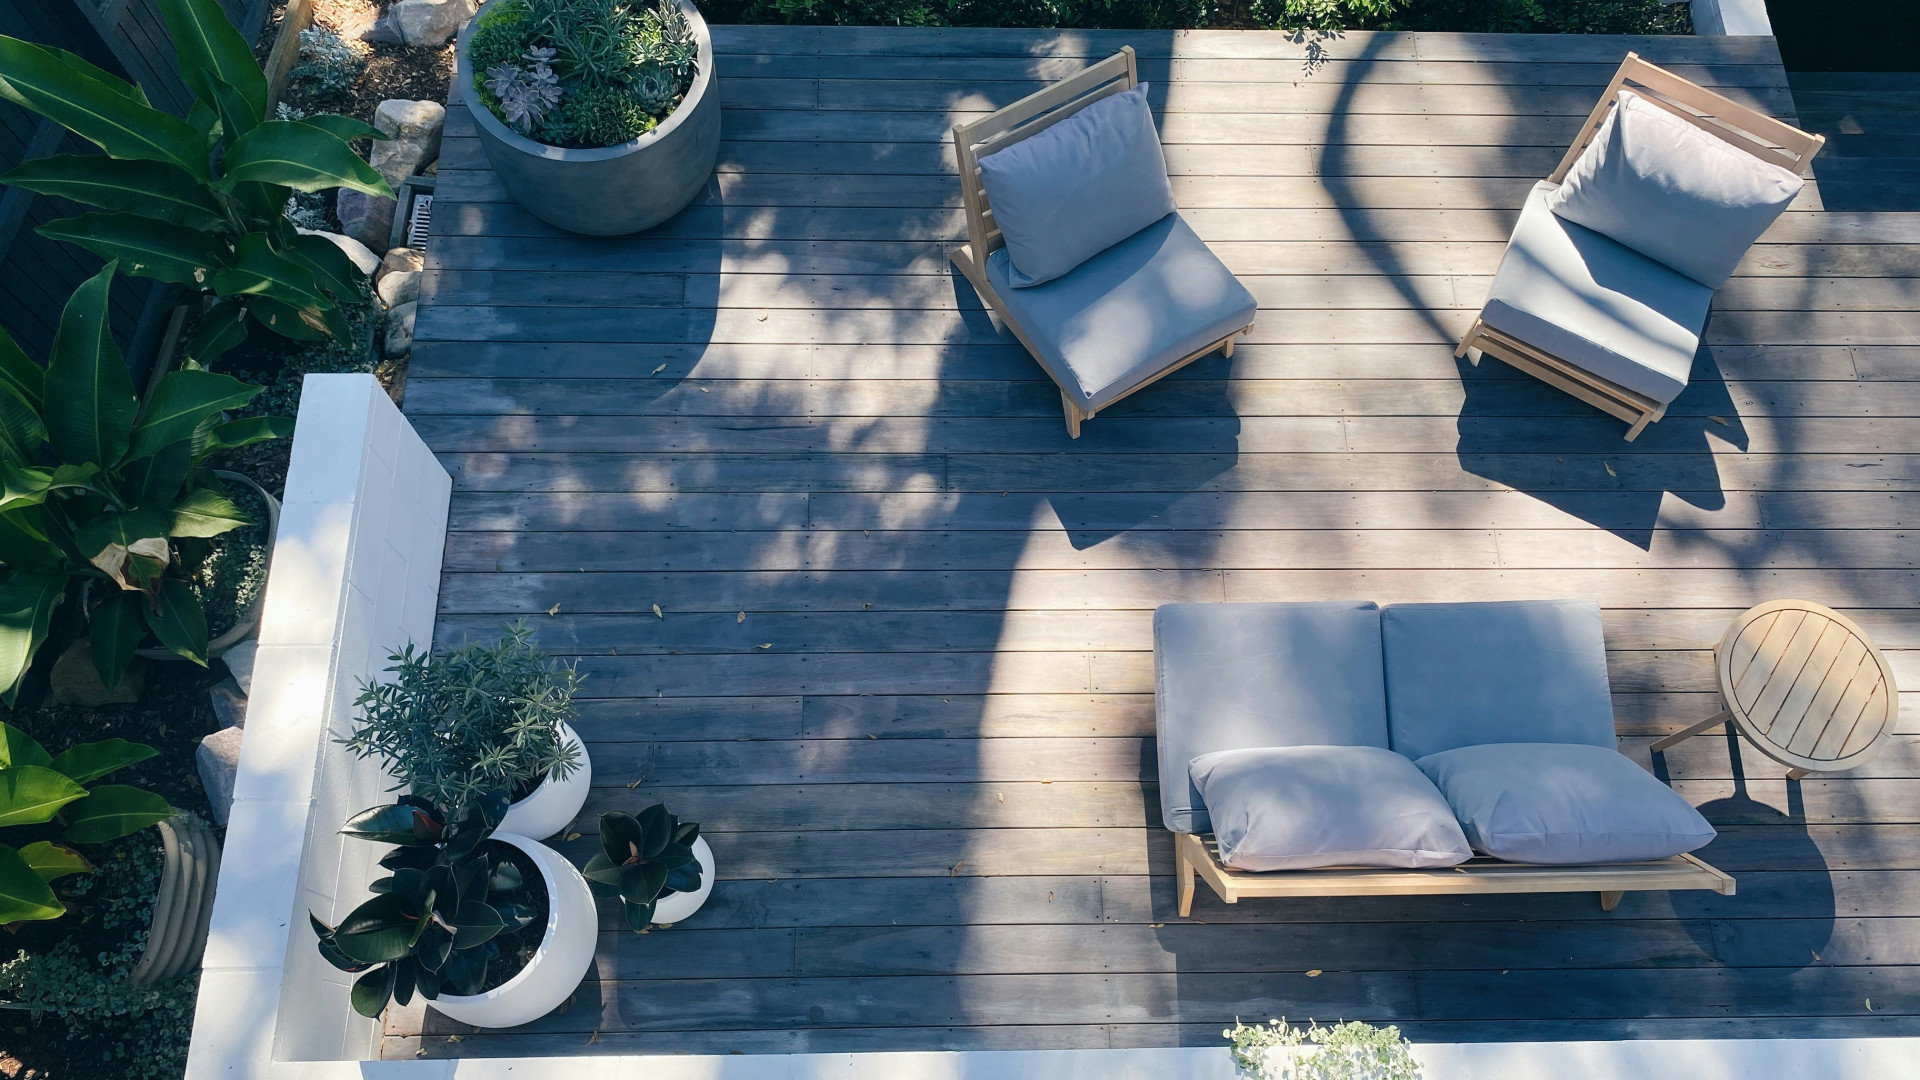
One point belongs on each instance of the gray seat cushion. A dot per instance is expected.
(1079, 187)
(1596, 303)
(1673, 192)
(1240, 676)
(1300, 807)
(1499, 671)
(1563, 803)
(1126, 314)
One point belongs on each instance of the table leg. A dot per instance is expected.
(1674, 740)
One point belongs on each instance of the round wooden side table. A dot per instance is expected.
(1804, 685)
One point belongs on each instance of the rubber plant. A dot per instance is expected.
(644, 858)
(99, 491)
(42, 797)
(434, 924)
(197, 202)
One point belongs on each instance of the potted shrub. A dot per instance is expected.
(483, 718)
(493, 929)
(599, 117)
(104, 538)
(659, 866)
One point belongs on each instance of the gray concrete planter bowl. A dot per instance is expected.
(614, 190)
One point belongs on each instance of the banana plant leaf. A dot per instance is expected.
(32, 794)
(300, 156)
(54, 861)
(145, 247)
(90, 403)
(149, 188)
(19, 748)
(27, 600)
(24, 894)
(105, 110)
(206, 512)
(114, 630)
(181, 402)
(112, 811)
(178, 621)
(91, 761)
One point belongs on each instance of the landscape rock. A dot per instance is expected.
(239, 661)
(218, 757)
(75, 681)
(362, 256)
(413, 136)
(366, 218)
(382, 32)
(400, 330)
(229, 703)
(399, 287)
(402, 258)
(429, 23)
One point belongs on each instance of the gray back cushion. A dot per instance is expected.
(1235, 676)
(1079, 187)
(1495, 672)
(1672, 192)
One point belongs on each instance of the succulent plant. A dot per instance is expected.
(528, 94)
(655, 92)
(645, 858)
(435, 924)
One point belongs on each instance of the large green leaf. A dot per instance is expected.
(331, 268)
(106, 111)
(114, 630)
(21, 429)
(372, 990)
(91, 761)
(54, 861)
(246, 432)
(148, 188)
(206, 512)
(258, 270)
(111, 539)
(211, 50)
(24, 894)
(31, 794)
(23, 541)
(180, 403)
(112, 811)
(301, 157)
(300, 324)
(147, 248)
(217, 331)
(379, 931)
(18, 370)
(90, 403)
(343, 127)
(27, 600)
(19, 748)
(179, 622)
(157, 480)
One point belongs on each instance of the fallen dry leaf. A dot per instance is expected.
(1609, 466)
(658, 370)
(740, 618)
(1869, 1004)
(1000, 795)
(1816, 955)
(1313, 973)
(764, 645)
(1155, 925)
(1721, 420)
(453, 1038)
(955, 872)
(635, 782)
(554, 610)
(573, 836)
(1049, 896)
(593, 1038)
(704, 390)
(657, 613)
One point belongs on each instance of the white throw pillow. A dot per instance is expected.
(1672, 192)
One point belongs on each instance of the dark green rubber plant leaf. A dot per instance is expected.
(24, 894)
(112, 811)
(379, 931)
(372, 991)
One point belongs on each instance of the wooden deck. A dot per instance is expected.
(901, 666)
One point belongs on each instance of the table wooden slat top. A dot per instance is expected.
(1806, 685)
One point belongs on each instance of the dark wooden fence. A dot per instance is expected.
(128, 38)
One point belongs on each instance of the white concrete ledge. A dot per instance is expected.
(1733, 18)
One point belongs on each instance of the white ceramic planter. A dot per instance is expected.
(565, 953)
(555, 803)
(682, 905)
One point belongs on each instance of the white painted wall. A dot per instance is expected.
(355, 575)
(1732, 17)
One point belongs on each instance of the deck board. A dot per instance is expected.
(902, 667)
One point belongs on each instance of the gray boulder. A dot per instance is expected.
(219, 760)
(366, 218)
(400, 330)
(402, 258)
(239, 661)
(413, 135)
(429, 23)
(76, 681)
(399, 287)
(229, 703)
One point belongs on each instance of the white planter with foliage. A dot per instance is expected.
(554, 804)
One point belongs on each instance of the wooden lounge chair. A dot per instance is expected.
(1307, 690)
(1070, 324)
(1589, 313)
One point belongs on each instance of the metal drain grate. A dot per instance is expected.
(420, 222)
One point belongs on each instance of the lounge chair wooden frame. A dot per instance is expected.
(1021, 120)
(1195, 856)
(1739, 126)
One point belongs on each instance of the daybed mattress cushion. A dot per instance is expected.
(1124, 315)
(1463, 674)
(1079, 187)
(1673, 192)
(1246, 676)
(1559, 803)
(1300, 807)
(1597, 304)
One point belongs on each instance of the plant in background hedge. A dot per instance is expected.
(197, 201)
(328, 65)
(106, 523)
(433, 925)
(645, 858)
(483, 718)
(1349, 1051)
(43, 797)
(582, 73)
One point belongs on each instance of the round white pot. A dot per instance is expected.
(565, 953)
(555, 803)
(681, 905)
